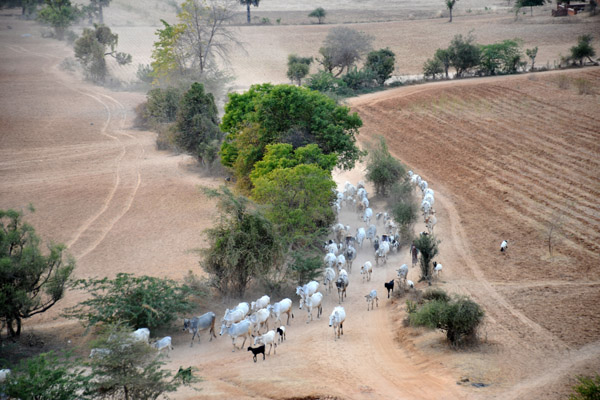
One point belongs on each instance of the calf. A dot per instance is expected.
(389, 286)
(372, 298)
(164, 343)
(257, 350)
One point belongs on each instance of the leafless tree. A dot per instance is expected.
(343, 47)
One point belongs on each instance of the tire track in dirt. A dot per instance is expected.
(95, 229)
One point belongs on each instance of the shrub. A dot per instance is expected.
(142, 301)
(298, 67)
(583, 86)
(563, 81)
(131, 369)
(588, 388)
(47, 376)
(162, 105)
(459, 318)
(583, 49)
(144, 73)
(436, 294)
(381, 62)
(357, 79)
(383, 170)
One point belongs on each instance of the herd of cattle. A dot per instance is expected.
(252, 321)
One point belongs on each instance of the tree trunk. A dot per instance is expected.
(100, 14)
(248, 12)
(450, 14)
(531, 10)
(11, 330)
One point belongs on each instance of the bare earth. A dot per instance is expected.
(504, 155)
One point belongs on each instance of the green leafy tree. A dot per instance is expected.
(528, 3)
(428, 249)
(268, 114)
(459, 317)
(30, 282)
(306, 266)
(129, 369)
(197, 125)
(92, 48)
(243, 246)
(59, 14)
(283, 155)
(382, 63)
(28, 7)
(343, 47)
(464, 54)
(249, 3)
(443, 55)
(138, 301)
(357, 79)
(450, 6)
(583, 49)
(299, 199)
(48, 377)
(532, 54)
(433, 67)
(168, 58)
(588, 388)
(383, 170)
(324, 82)
(298, 67)
(501, 57)
(319, 13)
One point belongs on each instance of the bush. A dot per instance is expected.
(162, 105)
(381, 62)
(325, 82)
(383, 170)
(588, 388)
(459, 318)
(436, 294)
(298, 67)
(47, 376)
(357, 79)
(583, 49)
(144, 73)
(583, 86)
(563, 81)
(142, 301)
(131, 369)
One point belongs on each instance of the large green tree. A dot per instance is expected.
(30, 282)
(268, 114)
(243, 246)
(300, 198)
(319, 13)
(463, 53)
(59, 14)
(197, 125)
(501, 57)
(381, 62)
(249, 3)
(92, 48)
(583, 49)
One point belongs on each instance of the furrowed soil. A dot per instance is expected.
(508, 157)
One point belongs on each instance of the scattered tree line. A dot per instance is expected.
(506, 57)
(340, 76)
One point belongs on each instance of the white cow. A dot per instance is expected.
(164, 343)
(366, 270)
(341, 261)
(360, 236)
(267, 338)
(307, 290)
(282, 307)
(330, 259)
(260, 303)
(260, 319)
(382, 252)
(368, 214)
(336, 320)
(242, 328)
(329, 277)
(314, 301)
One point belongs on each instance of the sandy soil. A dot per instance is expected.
(501, 154)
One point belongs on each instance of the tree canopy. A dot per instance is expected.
(30, 282)
(450, 6)
(528, 3)
(583, 49)
(268, 114)
(463, 53)
(318, 13)
(197, 125)
(501, 57)
(383, 170)
(298, 67)
(242, 246)
(381, 62)
(59, 14)
(92, 48)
